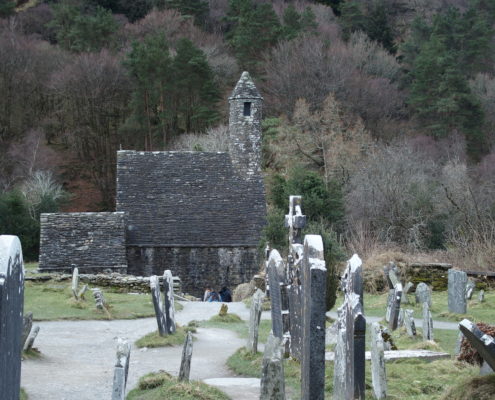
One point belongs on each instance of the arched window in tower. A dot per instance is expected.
(247, 109)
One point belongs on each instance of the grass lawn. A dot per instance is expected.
(158, 386)
(153, 339)
(54, 301)
(376, 304)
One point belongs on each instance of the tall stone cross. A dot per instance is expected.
(295, 221)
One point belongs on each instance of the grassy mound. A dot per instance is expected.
(476, 388)
(161, 385)
(153, 339)
(227, 318)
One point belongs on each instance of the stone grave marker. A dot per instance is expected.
(457, 291)
(405, 291)
(254, 321)
(423, 294)
(27, 325)
(75, 282)
(481, 296)
(409, 322)
(161, 320)
(427, 323)
(30, 341)
(349, 367)
(483, 343)
(168, 295)
(400, 321)
(273, 268)
(395, 307)
(470, 286)
(11, 321)
(458, 343)
(121, 370)
(185, 364)
(313, 283)
(272, 374)
(378, 371)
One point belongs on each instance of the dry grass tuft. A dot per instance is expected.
(475, 388)
(374, 279)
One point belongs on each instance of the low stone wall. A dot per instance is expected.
(126, 283)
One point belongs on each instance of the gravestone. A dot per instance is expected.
(395, 307)
(272, 374)
(457, 291)
(427, 323)
(470, 286)
(30, 341)
(99, 299)
(254, 321)
(405, 291)
(458, 343)
(481, 296)
(400, 321)
(349, 367)
(378, 371)
(313, 283)
(121, 370)
(161, 320)
(274, 265)
(27, 324)
(11, 321)
(75, 283)
(185, 364)
(409, 322)
(483, 343)
(423, 294)
(168, 295)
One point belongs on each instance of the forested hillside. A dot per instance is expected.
(381, 113)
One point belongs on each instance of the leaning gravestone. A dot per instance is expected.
(457, 291)
(395, 307)
(405, 291)
(423, 294)
(254, 321)
(30, 341)
(275, 264)
(272, 375)
(11, 321)
(121, 370)
(168, 295)
(313, 284)
(470, 286)
(427, 323)
(27, 325)
(156, 296)
(185, 364)
(483, 343)
(481, 296)
(378, 371)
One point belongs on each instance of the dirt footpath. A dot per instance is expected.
(78, 356)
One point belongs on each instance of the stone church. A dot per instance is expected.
(199, 214)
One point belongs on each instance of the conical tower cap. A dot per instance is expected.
(245, 88)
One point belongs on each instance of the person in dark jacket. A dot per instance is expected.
(225, 294)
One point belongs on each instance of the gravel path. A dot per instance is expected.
(78, 356)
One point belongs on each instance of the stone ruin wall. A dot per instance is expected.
(197, 267)
(89, 240)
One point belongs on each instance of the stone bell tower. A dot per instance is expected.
(245, 127)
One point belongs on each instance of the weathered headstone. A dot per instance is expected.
(185, 364)
(481, 296)
(224, 309)
(395, 307)
(423, 294)
(168, 295)
(390, 301)
(30, 341)
(27, 324)
(349, 367)
(295, 220)
(11, 309)
(99, 299)
(409, 322)
(400, 321)
(427, 323)
(470, 286)
(121, 370)
(272, 374)
(378, 371)
(254, 321)
(457, 291)
(405, 291)
(274, 265)
(483, 343)
(458, 343)
(313, 283)
(161, 320)
(75, 283)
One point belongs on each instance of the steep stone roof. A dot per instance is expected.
(188, 199)
(245, 88)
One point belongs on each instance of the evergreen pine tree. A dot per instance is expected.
(197, 9)
(7, 8)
